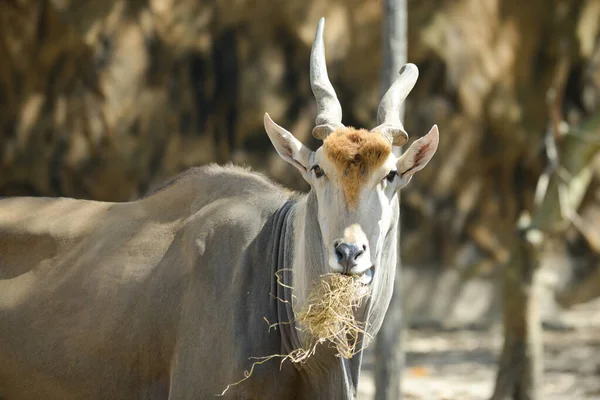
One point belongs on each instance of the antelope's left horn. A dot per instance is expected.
(388, 113)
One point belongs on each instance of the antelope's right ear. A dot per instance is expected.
(288, 147)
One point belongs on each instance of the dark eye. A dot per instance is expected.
(390, 177)
(318, 171)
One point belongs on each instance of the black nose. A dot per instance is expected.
(347, 255)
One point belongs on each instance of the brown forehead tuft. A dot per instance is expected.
(355, 153)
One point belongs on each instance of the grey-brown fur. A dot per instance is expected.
(164, 297)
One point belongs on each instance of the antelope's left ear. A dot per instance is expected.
(418, 155)
(288, 147)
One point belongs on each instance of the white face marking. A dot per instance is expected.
(362, 227)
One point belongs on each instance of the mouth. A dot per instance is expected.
(366, 277)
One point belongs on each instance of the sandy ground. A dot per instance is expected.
(461, 364)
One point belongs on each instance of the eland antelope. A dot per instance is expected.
(166, 297)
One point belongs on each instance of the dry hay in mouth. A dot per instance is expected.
(327, 317)
(328, 314)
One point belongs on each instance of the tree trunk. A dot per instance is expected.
(389, 350)
(521, 366)
(520, 371)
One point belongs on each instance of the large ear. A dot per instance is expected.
(418, 155)
(288, 147)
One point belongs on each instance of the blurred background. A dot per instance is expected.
(106, 99)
